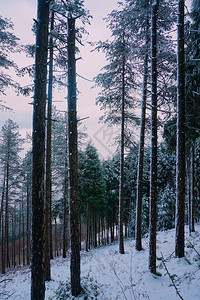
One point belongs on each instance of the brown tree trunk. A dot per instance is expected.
(180, 147)
(38, 152)
(192, 190)
(6, 248)
(27, 223)
(3, 265)
(19, 244)
(23, 234)
(153, 166)
(121, 178)
(189, 193)
(73, 162)
(48, 160)
(138, 234)
(65, 209)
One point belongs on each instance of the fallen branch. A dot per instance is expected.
(192, 246)
(171, 278)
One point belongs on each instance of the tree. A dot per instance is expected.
(8, 44)
(73, 161)
(110, 169)
(92, 191)
(153, 163)
(180, 144)
(117, 83)
(9, 148)
(192, 54)
(38, 151)
(48, 190)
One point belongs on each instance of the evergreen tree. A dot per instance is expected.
(117, 83)
(110, 176)
(92, 191)
(8, 45)
(9, 149)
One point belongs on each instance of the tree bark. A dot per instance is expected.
(27, 222)
(121, 178)
(38, 152)
(138, 234)
(6, 246)
(23, 233)
(153, 166)
(48, 160)
(3, 265)
(180, 146)
(65, 207)
(192, 190)
(73, 162)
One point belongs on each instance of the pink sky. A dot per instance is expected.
(22, 13)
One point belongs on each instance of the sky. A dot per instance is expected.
(22, 13)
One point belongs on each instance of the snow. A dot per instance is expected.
(120, 276)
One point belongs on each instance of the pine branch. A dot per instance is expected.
(171, 278)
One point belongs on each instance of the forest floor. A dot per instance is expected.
(108, 275)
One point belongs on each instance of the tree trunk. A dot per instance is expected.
(19, 244)
(48, 160)
(6, 248)
(189, 193)
(27, 223)
(121, 178)
(192, 190)
(180, 146)
(73, 162)
(65, 207)
(138, 234)
(3, 265)
(56, 240)
(23, 234)
(38, 152)
(153, 166)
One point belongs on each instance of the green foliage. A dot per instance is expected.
(118, 52)
(192, 54)
(90, 290)
(91, 182)
(8, 44)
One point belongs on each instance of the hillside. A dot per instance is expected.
(108, 275)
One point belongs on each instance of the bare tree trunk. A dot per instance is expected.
(19, 245)
(138, 234)
(189, 193)
(121, 178)
(56, 239)
(38, 152)
(14, 237)
(73, 161)
(180, 147)
(192, 190)
(48, 160)
(65, 208)
(27, 223)
(87, 228)
(3, 265)
(23, 233)
(153, 166)
(6, 249)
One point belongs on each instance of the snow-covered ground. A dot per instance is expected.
(111, 275)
